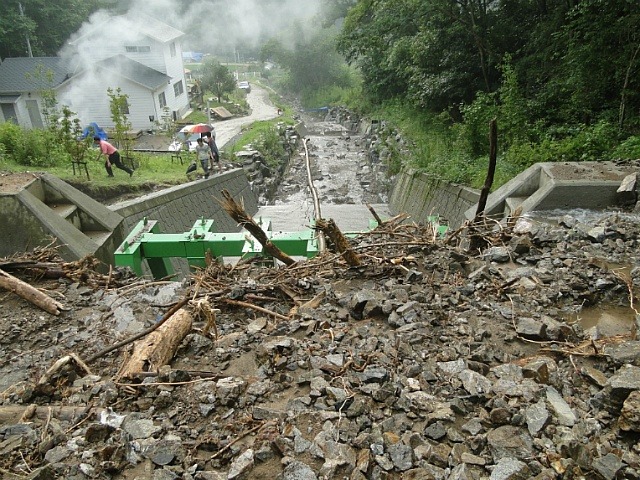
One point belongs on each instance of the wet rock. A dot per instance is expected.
(229, 389)
(509, 441)
(241, 465)
(626, 352)
(630, 414)
(625, 380)
(510, 469)
(537, 416)
(531, 328)
(498, 254)
(401, 455)
(474, 383)
(562, 410)
(626, 195)
(608, 466)
(140, 428)
(298, 471)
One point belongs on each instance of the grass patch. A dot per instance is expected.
(150, 168)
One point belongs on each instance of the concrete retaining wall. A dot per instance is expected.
(177, 208)
(421, 195)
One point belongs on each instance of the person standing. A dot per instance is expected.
(112, 156)
(203, 152)
(215, 153)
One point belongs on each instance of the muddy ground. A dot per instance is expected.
(420, 360)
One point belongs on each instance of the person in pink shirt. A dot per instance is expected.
(112, 156)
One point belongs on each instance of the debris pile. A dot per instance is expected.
(423, 361)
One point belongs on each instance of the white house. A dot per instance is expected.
(140, 55)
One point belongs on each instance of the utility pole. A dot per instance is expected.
(26, 36)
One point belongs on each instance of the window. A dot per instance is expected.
(172, 49)
(162, 100)
(136, 49)
(125, 107)
(178, 88)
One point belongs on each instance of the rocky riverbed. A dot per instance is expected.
(423, 361)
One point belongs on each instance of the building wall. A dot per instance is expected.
(175, 69)
(141, 101)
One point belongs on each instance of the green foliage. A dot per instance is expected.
(119, 107)
(29, 149)
(47, 25)
(69, 132)
(217, 78)
(629, 149)
(312, 68)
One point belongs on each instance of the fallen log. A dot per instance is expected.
(30, 293)
(331, 230)
(13, 414)
(159, 347)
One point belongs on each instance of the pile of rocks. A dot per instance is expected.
(426, 362)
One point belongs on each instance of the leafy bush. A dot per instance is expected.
(628, 149)
(34, 148)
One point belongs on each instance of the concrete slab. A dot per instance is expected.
(293, 218)
(562, 185)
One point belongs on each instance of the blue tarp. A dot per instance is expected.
(92, 130)
(193, 56)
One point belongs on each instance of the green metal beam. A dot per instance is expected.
(145, 242)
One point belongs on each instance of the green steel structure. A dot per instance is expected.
(147, 243)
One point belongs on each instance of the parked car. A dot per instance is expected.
(244, 86)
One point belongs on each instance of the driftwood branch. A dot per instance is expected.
(13, 414)
(71, 359)
(237, 212)
(238, 303)
(477, 242)
(375, 215)
(29, 293)
(331, 230)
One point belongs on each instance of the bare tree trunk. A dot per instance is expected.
(29, 293)
(476, 240)
(623, 99)
(159, 347)
(331, 230)
(237, 212)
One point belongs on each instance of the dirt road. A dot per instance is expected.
(261, 109)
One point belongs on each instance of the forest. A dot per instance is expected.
(561, 77)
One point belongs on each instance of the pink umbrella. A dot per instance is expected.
(197, 128)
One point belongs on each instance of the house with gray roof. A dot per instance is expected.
(137, 54)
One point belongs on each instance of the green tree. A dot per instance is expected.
(217, 78)
(312, 64)
(43, 25)
(119, 107)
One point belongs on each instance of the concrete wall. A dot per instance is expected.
(421, 195)
(177, 208)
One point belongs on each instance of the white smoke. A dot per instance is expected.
(210, 26)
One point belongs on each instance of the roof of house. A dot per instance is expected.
(142, 23)
(134, 71)
(28, 74)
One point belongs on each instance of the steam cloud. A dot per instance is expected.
(211, 26)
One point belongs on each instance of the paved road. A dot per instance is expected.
(261, 109)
